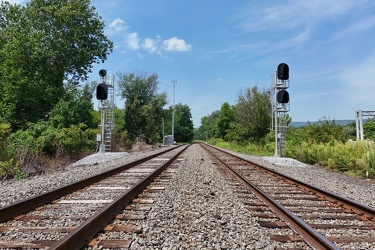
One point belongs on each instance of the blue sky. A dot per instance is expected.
(216, 48)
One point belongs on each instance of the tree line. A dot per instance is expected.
(48, 48)
(246, 126)
(47, 115)
(248, 120)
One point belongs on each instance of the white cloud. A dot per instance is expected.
(155, 46)
(151, 45)
(132, 41)
(175, 44)
(117, 25)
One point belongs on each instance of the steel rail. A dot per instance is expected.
(78, 237)
(309, 234)
(15, 209)
(355, 206)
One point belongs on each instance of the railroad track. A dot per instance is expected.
(296, 211)
(72, 216)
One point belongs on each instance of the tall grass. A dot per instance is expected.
(357, 158)
(248, 148)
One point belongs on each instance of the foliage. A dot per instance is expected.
(73, 108)
(252, 114)
(4, 131)
(324, 131)
(184, 128)
(41, 138)
(117, 137)
(207, 127)
(369, 129)
(143, 106)
(43, 44)
(8, 168)
(224, 120)
(247, 121)
(352, 157)
(250, 148)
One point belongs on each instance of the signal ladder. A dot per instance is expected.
(109, 114)
(108, 107)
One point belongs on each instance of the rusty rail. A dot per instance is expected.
(367, 211)
(78, 237)
(309, 234)
(24, 206)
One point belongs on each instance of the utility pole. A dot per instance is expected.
(173, 108)
(162, 123)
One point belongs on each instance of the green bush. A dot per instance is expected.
(42, 138)
(355, 158)
(4, 131)
(8, 168)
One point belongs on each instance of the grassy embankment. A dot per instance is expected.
(353, 158)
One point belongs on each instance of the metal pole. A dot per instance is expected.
(162, 122)
(361, 125)
(357, 124)
(274, 82)
(174, 91)
(276, 133)
(102, 146)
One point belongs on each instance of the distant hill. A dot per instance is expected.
(340, 122)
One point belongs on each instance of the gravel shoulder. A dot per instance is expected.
(198, 209)
(11, 191)
(15, 190)
(358, 189)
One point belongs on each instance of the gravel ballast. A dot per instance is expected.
(15, 190)
(198, 209)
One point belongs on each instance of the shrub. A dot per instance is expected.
(355, 158)
(8, 168)
(41, 138)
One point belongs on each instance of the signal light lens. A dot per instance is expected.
(283, 71)
(102, 73)
(283, 96)
(102, 91)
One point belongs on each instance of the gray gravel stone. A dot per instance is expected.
(198, 209)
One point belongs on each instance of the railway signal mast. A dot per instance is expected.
(105, 94)
(280, 106)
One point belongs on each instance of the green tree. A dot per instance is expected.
(325, 131)
(226, 116)
(184, 127)
(143, 105)
(252, 115)
(207, 128)
(322, 132)
(369, 129)
(73, 108)
(42, 45)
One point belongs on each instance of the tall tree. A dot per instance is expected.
(42, 45)
(226, 116)
(73, 108)
(184, 127)
(143, 105)
(207, 128)
(253, 114)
